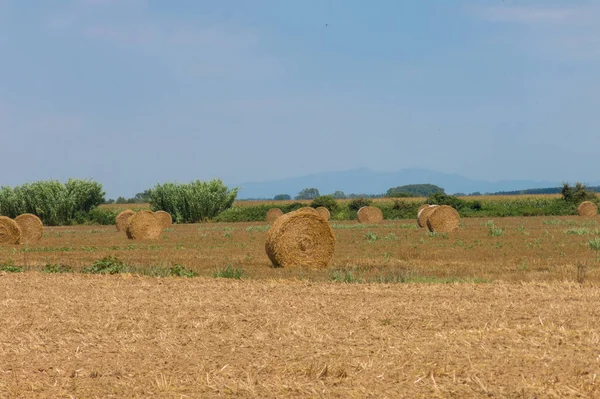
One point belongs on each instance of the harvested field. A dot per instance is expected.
(529, 249)
(142, 337)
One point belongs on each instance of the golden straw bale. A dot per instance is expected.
(324, 212)
(443, 219)
(309, 209)
(32, 228)
(122, 218)
(144, 225)
(424, 212)
(369, 214)
(300, 238)
(10, 232)
(165, 218)
(273, 214)
(587, 209)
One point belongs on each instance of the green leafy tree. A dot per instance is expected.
(339, 195)
(326, 201)
(414, 190)
(308, 194)
(193, 202)
(282, 197)
(576, 194)
(358, 203)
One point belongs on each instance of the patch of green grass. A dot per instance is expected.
(252, 229)
(391, 237)
(494, 231)
(436, 234)
(371, 237)
(409, 226)
(54, 268)
(594, 244)
(577, 231)
(9, 267)
(348, 276)
(181, 271)
(107, 265)
(229, 272)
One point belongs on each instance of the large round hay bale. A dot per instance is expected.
(32, 228)
(443, 219)
(165, 218)
(587, 209)
(424, 212)
(300, 238)
(122, 218)
(369, 214)
(308, 209)
(273, 214)
(10, 232)
(144, 225)
(324, 212)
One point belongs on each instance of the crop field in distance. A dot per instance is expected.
(502, 308)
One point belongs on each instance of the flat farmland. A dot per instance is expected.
(503, 308)
(507, 249)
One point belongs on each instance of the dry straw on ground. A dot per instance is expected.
(300, 238)
(144, 225)
(587, 209)
(165, 218)
(273, 214)
(324, 212)
(32, 228)
(369, 214)
(443, 219)
(122, 218)
(424, 212)
(10, 232)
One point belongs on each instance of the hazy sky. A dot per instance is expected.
(135, 92)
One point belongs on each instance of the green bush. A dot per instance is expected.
(229, 272)
(254, 213)
(107, 265)
(181, 271)
(358, 203)
(194, 202)
(326, 201)
(53, 202)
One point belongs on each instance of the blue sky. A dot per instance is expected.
(136, 92)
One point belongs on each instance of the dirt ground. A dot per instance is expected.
(80, 336)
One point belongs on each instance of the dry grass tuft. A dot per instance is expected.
(32, 228)
(443, 219)
(273, 214)
(423, 214)
(324, 212)
(144, 225)
(10, 232)
(122, 218)
(300, 238)
(587, 209)
(369, 215)
(165, 218)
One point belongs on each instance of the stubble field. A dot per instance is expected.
(505, 308)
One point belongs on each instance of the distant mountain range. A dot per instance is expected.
(366, 181)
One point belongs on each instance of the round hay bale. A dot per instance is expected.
(32, 228)
(165, 218)
(424, 212)
(443, 219)
(308, 209)
(324, 212)
(300, 238)
(369, 214)
(10, 232)
(587, 209)
(122, 218)
(144, 225)
(273, 214)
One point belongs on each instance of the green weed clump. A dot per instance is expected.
(181, 271)
(107, 265)
(229, 272)
(53, 268)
